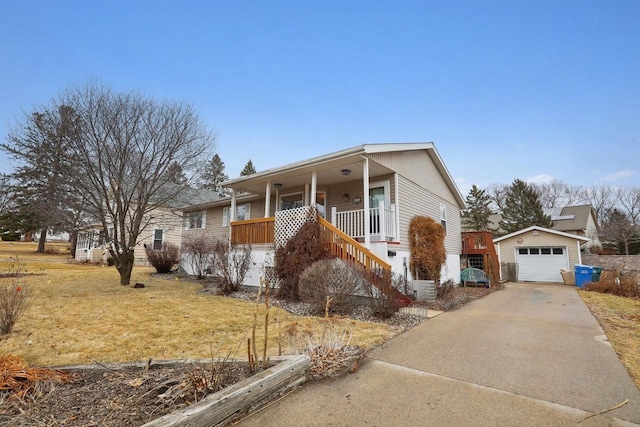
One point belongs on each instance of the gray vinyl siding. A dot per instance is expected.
(418, 167)
(354, 188)
(415, 200)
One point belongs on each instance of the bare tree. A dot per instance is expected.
(127, 147)
(618, 229)
(602, 198)
(552, 194)
(498, 194)
(629, 199)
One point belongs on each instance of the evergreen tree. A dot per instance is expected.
(476, 216)
(214, 175)
(40, 143)
(249, 169)
(522, 208)
(176, 174)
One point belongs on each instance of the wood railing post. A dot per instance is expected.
(382, 219)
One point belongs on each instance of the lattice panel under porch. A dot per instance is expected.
(289, 222)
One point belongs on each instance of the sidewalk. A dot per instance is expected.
(531, 354)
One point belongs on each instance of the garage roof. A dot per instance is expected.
(546, 230)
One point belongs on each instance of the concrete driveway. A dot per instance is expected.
(531, 354)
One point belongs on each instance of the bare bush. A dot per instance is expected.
(618, 283)
(330, 351)
(378, 287)
(14, 296)
(302, 250)
(329, 278)
(164, 259)
(198, 248)
(231, 262)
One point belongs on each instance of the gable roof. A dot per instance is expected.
(545, 230)
(572, 218)
(329, 168)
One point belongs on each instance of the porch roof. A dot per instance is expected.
(329, 169)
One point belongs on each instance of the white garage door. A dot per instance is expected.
(541, 264)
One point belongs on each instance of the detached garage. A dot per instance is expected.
(539, 254)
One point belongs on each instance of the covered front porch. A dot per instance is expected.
(353, 193)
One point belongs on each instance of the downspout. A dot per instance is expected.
(396, 197)
(365, 198)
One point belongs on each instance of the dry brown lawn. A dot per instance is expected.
(79, 313)
(620, 319)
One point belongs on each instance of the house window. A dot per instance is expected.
(195, 220)
(157, 239)
(291, 201)
(443, 216)
(243, 213)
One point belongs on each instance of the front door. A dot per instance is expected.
(376, 195)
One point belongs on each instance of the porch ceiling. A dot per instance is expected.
(328, 173)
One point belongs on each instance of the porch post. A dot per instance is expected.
(306, 195)
(334, 215)
(365, 199)
(267, 201)
(314, 185)
(232, 214)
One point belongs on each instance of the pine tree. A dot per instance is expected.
(476, 216)
(522, 208)
(249, 169)
(214, 175)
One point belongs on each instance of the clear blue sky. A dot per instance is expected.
(505, 89)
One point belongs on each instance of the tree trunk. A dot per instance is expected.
(73, 241)
(125, 267)
(43, 239)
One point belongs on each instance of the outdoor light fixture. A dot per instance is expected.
(345, 197)
(277, 185)
(346, 171)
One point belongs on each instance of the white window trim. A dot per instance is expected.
(443, 216)
(153, 238)
(387, 191)
(187, 223)
(225, 213)
(302, 198)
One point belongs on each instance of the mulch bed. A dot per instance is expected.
(108, 397)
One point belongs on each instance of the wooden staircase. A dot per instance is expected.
(348, 249)
(481, 243)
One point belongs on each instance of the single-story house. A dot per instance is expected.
(537, 254)
(365, 197)
(162, 225)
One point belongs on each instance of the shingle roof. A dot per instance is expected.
(577, 218)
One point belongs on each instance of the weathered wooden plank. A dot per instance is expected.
(220, 407)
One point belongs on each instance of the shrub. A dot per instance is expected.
(426, 242)
(616, 283)
(164, 259)
(14, 297)
(302, 250)
(329, 278)
(378, 286)
(199, 250)
(231, 262)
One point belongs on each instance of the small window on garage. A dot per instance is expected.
(545, 251)
(534, 251)
(523, 251)
(558, 251)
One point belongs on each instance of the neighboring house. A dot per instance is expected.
(163, 226)
(366, 196)
(537, 254)
(579, 220)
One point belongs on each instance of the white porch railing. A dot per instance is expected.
(382, 222)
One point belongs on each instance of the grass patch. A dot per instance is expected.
(620, 319)
(80, 313)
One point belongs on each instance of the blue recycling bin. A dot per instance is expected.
(584, 274)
